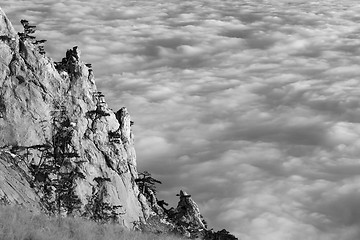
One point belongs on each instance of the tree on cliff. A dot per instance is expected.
(97, 209)
(28, 29)
(57, 171)
(27, 34)
(147, 187)
(146, 182)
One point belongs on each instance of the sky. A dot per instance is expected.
(252, 107)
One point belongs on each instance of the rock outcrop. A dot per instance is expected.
(187, 212)
(185, 220)
(52, 112)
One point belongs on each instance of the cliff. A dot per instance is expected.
(52, 115)
(64, 152)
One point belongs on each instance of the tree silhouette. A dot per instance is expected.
(27, 34)
(97, 209)
(147, 187)
(57, 171)
(145, 182)
(28, 29)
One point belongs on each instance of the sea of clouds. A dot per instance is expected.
(251, 106)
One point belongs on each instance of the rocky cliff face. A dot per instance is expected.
(52, 115)
(63, 151)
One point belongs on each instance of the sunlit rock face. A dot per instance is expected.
(14, 184)
(6, 29)
(40, 99)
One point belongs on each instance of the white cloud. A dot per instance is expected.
(251, 106)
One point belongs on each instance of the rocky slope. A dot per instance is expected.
(63, 151)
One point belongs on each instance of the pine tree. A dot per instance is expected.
(57, 171)
(146, 182)
(27, 34)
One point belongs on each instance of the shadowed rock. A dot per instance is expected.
(188, 212)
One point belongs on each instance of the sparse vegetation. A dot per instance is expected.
(99, 210)
(27, 35)
(57, 172)
(114, 136)
(146, 182)
(19, 224)
(28, 30)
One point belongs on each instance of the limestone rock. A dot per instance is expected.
(123, 118)
(187, 216)
(187, 212)
(51, 111)
(188, 221)
(14, 184)
(6, 28)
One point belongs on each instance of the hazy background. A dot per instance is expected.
(250, 106)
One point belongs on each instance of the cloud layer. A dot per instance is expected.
(250, 106)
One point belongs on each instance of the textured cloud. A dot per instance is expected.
(250, 106)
